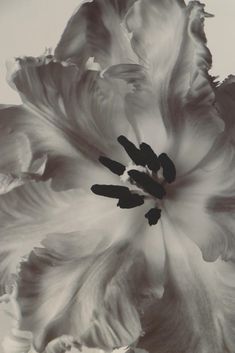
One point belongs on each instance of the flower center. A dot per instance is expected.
(146, 176)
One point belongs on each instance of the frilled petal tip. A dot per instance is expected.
(97, 30)
(28, 75)
(19, 63)
(18, 164)
(84, 111)
(63, 344)
(11, 181)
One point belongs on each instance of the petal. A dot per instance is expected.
(98, 291)
(99, 109)
(176, 60)
(170, 42)
(96, 30)
(11, 181)
(221, 202)
(82, 107)
(30, 212)
(142, 108)
(195, 314)
(225, 103)
(62, 345)
(43, 138)
(191, 205)
(190, 214)
(16, 152)
(45, 87)
(17, 165)
(101, 315)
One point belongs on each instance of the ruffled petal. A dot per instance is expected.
(95, 293)
(96, 30)
(221, 202)
(92, 303)
(172, 103)
(196, 312)
(17, 165)
(16, 152)
(62, 344)
(142, 108)
(31, 212)
(82, 107)
(170, 42)
(202, 201)
(26, 202)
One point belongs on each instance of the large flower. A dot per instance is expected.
(125, 220)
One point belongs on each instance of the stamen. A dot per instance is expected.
(153, 216)
(113, 166)
(131, 201)
(150, 157)
(143, 157)
(126, 198)
(133, 152)
(147, 183)
(112, 191)
(169, 171)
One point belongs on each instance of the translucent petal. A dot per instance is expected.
(82, 107)
(195, 314)
(98, 292)
(16, 152)
(202, 202)
(43, 137)
(96, 30)
(170, 42)
(31, 212)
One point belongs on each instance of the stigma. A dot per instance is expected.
(146, 177)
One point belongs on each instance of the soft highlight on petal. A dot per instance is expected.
(96, 30)
(170, 42)
(195, 313)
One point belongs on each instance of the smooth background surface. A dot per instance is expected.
(27, 27)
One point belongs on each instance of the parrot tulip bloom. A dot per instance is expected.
(125, 221)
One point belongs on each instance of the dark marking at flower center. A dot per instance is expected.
(148, 182)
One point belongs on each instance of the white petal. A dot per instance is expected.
(9, 182)
(170, 42)
(80, 107)
(62, 345)
(43, 137)
(16, 152)
(93, 302)
(195, 314)
(202, 203)
(95, 30)
(92, 287)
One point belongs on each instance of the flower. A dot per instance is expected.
(127, 235)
